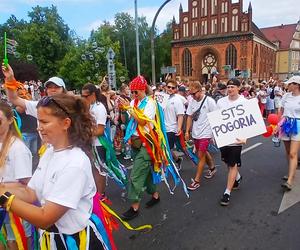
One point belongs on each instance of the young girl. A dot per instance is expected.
(15, 163)
(63, 183)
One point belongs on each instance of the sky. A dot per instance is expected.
(82, 16)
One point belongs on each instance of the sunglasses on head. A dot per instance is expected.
(47, 100)
(135, 92)
(171, 87)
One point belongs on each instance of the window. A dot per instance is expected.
(255, 60)
(204, 27)
(244, 26)
(224, 7)
(187, 63)
(214, 26)
(176, 35)
(223, 24)
(194, 12)
(235, 23)
(203, 7)
(185, 30)
(293, 55)
(195, 29)
(231, 56)
(214, 7)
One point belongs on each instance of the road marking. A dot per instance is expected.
(292, 197)
(251, 147)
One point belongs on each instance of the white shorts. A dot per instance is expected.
(284, 137)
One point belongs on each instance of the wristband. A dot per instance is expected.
(4, 198)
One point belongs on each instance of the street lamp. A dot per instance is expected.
(152, 41)
(137, 40)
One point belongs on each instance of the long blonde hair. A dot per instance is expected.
(11, 134)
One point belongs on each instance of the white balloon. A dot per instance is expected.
(97, 65)
(83, 57)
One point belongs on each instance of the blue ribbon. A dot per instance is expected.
(132, 124)
(289, 126)
(71, 243)
(101, 229)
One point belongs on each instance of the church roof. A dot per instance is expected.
(282, 34)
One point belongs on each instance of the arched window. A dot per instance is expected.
(187, 63)
(255, 60)
(231, 56)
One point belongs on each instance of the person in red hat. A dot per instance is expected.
(140, 177)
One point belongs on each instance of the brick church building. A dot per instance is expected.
(218, 36)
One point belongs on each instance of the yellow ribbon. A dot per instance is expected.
(82, 239)
(126, 224)
(16, 232)
(42, 150)
(45, 244)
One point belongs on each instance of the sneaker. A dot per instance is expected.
(210, 173)
(152, 202)
(130, 214)
(237, 183)
(225, 200)
(194, 185)
(286, 186)
(179, 163)
(285, 178)
(127, 157)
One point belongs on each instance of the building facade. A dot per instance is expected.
(218, 36)
(287, 40)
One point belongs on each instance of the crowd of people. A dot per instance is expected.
(56, 148)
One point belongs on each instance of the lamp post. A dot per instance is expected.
(152, 41)
(137, 40)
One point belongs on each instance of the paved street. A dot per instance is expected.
(251, 221)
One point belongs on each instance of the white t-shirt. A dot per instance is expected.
(183, 99)
(98, 111)
(174, 107)
(291, 105)
(66, 178)
(18, 163)
(262, 99)
(225, 102)
(31, 108)
(201, 128)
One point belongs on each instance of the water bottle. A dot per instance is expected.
(276, 141)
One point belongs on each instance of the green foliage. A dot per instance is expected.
(56, 50)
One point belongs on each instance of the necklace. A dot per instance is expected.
(62, 149)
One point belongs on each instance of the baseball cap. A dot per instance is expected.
(57, 81)
(182, 89)
(293, 79)
(222, 86)
(234, 82)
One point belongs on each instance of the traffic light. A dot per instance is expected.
(237, 72)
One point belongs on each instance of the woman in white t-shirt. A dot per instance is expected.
(290, 128)
(91, 94)
(63, 183)
(262, 98)
(15, 164)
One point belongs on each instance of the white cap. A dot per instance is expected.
(293, 79)
(57, 81)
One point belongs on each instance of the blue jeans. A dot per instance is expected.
(31, 140)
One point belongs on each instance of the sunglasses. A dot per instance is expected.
(171, 87)
(193, 94)
(85, 96)
(134, 92)
(47, 100)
